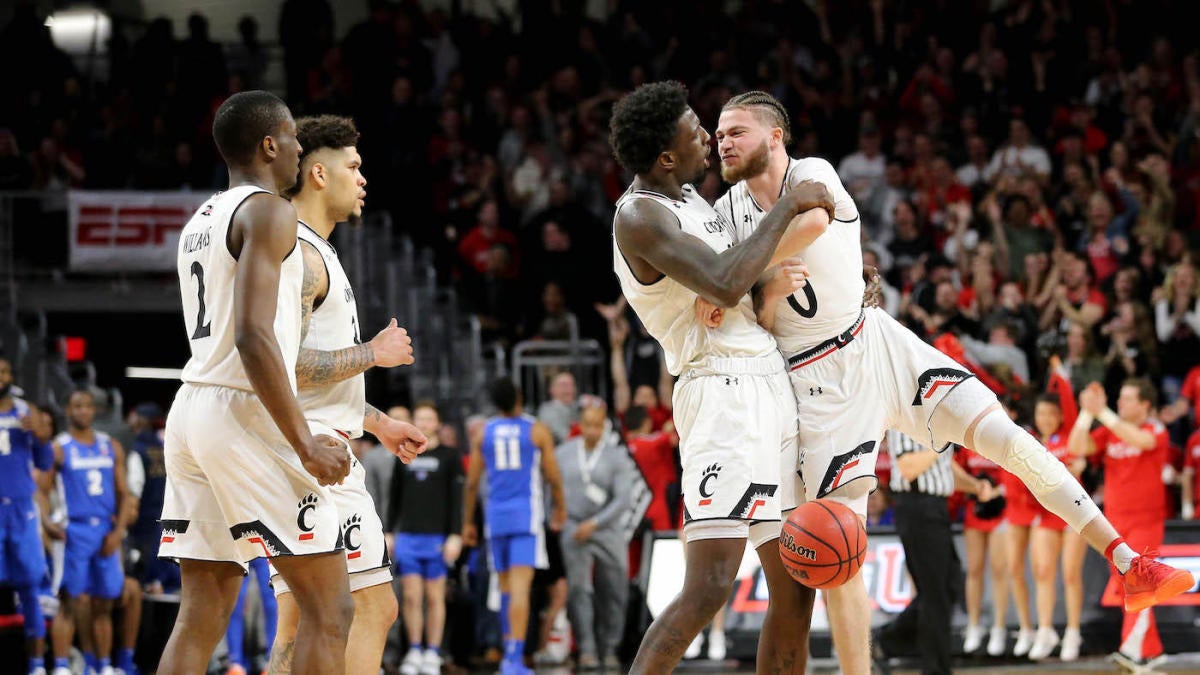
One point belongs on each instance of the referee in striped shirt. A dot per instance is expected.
(922, 481)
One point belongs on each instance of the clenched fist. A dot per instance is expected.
(392, 347)
(327, 459)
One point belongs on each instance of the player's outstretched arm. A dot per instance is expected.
(263, 235)
(314, 367)
(647, 230)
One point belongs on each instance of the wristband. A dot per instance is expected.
(1108, 418)
(1084, 420)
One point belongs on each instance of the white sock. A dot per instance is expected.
(1122, 555)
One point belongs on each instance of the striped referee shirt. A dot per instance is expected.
(937, 480)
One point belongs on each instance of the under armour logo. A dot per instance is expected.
(731, 380)
(746, 218)
(1079, 501)
(813, 391)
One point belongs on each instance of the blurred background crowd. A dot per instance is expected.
(1028, 171)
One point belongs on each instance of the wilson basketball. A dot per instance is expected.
(822, 544)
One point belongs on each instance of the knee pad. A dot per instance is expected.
(999, 439)
(958, 410)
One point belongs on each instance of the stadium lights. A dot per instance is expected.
(79, 30)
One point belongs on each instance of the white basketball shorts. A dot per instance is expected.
(367, 559)
(736, 419)
(877, 375)
(236, 489)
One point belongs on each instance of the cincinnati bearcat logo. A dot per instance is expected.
(789, 542)
(309, 503)
(710, 473)
(933, 380)
(353, 525)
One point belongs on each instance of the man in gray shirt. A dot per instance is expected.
(598, 477)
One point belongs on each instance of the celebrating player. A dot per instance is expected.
(857, 372)
(246, 478)
(735, 417)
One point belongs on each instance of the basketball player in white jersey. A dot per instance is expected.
(857, 372)
(329, 373)
(245, 476)
(734, 410)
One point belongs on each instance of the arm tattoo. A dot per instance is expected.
(314, 280)
(281, 658)
(371, 414)
(315, 367)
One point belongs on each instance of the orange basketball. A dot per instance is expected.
(822, 544)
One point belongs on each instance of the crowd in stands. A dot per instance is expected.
(1029, 186)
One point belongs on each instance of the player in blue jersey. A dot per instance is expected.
(23, 443)
(91, 467)
(517, 452)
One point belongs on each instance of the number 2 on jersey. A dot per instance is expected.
(508, 453)
(203, 330)
(809, 295)
(95, 482)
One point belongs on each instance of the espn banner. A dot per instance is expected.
(126, 231)
(890, 590)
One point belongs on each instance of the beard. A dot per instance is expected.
(5, 389)
(752, 165)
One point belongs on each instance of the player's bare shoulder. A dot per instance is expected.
(262, 214)
(643, 225)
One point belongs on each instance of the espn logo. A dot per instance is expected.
(128, 225)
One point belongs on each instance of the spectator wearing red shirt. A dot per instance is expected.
(1132, 448)
(474, 247)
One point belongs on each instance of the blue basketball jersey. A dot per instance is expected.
(87, 477)
(18, 449)
(514, 475)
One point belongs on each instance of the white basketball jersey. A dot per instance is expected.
(332, 326)
(832, 298)
(666, 306)
(206, 277)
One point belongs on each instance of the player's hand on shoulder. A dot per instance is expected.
(708, 314)
(327, 459)
(392, 347)
(809, 194)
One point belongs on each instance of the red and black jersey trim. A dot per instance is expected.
(827, 347)
(756, 495)
(934, 379)
(257, 533)
(172, 529)
(840, 464)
